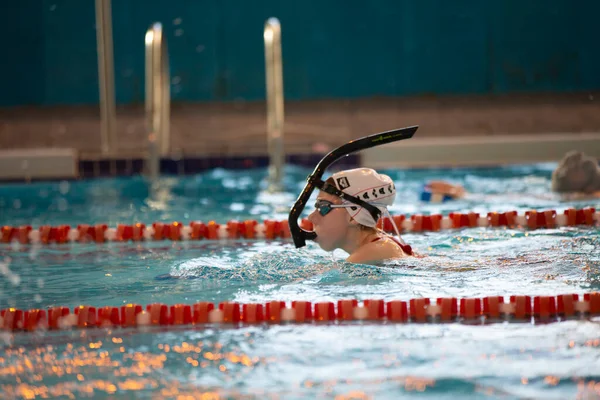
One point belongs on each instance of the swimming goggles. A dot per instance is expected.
(324, 207)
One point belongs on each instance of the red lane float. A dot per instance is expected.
(517, 308)
(273, 230)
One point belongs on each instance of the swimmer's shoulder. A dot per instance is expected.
(384, 249)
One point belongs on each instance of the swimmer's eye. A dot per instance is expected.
(323, 207)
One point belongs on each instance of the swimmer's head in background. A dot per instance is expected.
(576, 172)
(437, 191)
(428, 196)
(368, 185)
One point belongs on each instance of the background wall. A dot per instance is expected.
(331, 48)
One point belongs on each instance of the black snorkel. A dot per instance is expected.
(314, 180)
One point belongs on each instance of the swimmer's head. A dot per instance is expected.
(334, 216)
(576, 172)
(368, 185)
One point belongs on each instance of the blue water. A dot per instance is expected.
(222, 195)
(517, 360)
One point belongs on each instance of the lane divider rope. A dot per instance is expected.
(518, 308)
(272, 229)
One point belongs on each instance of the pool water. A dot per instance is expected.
(349, 360)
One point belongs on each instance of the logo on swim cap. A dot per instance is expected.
(343, 183)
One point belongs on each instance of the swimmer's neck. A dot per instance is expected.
(357, 238)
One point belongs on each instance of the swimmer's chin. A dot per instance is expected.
(316, 239)
(324, 245)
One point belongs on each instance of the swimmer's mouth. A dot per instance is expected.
(314, 180)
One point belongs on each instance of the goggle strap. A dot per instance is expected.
(327, 188)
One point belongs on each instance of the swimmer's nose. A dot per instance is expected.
(312, 216)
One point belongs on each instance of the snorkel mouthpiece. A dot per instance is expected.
(314, 180)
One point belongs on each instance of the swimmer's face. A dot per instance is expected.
(332, 227)
(576, 172)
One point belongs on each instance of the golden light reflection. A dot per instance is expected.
(76, 390)
(213, 356)
(28, 393)
(126, 371)
(192, 362)
(418, 384)
(594, 343)
(246, 361)
(552, 380)
(132, 384)
(42, 365)
(354, 395)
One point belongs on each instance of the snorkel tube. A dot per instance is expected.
(300, 235)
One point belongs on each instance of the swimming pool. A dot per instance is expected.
(320, 360)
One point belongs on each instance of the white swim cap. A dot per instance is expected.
(368, 185)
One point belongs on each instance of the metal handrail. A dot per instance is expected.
(158, 98)
(106, 79)
(275, 114)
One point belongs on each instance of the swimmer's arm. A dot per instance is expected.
(443, 187)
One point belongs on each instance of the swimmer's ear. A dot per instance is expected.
(353, 222)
